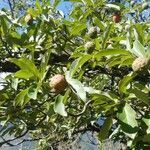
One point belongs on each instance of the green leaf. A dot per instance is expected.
(127, 116)
(128, 41)
(78, 63)
(126, 61)
(78, 27)
(88, 2)
(91, 90)
(141, 95)
(103, 99)
(138, 49)
(22, 98)
(55, 3)
(146, 138)
(74, 0)
(14, 83)
(147, 122)
(139, 33)
(77, 86)
(128, 122)
(59, 106)
(33, 12)
(15, 35)
(24, 74)
(44, 63)
(114, 61)
(111, 52)
(4, 27)
(72, 67)
(32, 92)
(103, 135)
(113, 6)
(147, 52)
(99, 23)
(125, 82)
(38, 6)
(106, 35)
(26, 65)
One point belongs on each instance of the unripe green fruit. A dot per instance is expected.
(145, 6)
(93, 31)
(55, 38)
(28, 19)
(89, 46)
(58, 83)
(127, 27)
(139, 64)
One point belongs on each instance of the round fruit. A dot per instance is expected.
(145, 6)
(28, 19)
(93, 31)
(139, 64)
(58, 83)
(127, 27)
(116, 18)
(89, 46)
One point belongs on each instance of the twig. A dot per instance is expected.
(41, 121)
(10, 140)
(83, 110)
(28, 140)
(6, 142)
(5, 44)
(11, 9)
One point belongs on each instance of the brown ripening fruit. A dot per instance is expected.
(116, 18)
(89, 46)
(140, 64)
(58, 83)
(28, 19)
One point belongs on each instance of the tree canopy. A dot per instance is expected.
(88, 71)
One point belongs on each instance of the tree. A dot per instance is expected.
(66, 74)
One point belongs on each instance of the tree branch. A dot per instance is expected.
(28, 140)
(10, 140)
(83, 110)
(11, 9)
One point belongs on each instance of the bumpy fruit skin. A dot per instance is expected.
(145, 6)
(28, 19)
(139, 64)
(58, 83)
(116, 18)
(89, 46)
(127, 27)
(93, 31)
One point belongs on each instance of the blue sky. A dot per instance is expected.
(63, 6)
(66, 7)
(2, 4)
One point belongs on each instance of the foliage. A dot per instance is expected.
(101, 83)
